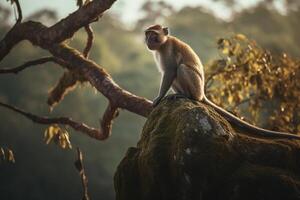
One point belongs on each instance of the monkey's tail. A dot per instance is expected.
(249, 127)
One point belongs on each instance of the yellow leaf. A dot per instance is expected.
(58, 135)
(11, 157)
(240, 37)
(236, 49)
(2, 154)
(230, 99)
(225, 51)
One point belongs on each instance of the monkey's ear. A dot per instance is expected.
(166, 30)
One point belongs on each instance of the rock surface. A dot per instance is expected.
(189, 152)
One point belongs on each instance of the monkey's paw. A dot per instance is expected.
(175, 96)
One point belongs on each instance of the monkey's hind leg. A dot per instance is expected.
(190, 82)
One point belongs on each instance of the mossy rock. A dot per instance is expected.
(189, 152)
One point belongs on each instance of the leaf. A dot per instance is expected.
(50, 132)
(230, 99)
(236, 49)
(64, 140)
(240, 37)
(2, 154)
(10, 156)
(225, 51)
(58, 135)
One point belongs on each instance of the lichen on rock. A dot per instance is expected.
(188, 151)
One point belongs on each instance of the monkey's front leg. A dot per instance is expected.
(167, 80)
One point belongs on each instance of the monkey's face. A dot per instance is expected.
(155, 38)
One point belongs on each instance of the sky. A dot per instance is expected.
(127, 9)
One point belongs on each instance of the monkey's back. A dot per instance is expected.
(187, 54)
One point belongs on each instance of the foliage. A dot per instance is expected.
(7, 155)
(251, 78)
(59, 135)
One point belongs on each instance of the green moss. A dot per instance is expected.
(188, 151)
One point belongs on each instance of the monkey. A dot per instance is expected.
(182, 71)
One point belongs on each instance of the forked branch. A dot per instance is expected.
(51, 39)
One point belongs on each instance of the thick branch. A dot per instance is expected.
(93, 73)
(44, 37)
(102, 81)
(98, 134)
(68, 26)
(60, 31)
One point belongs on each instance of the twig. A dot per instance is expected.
(84, 180)
(20, 16)
(31, 63)
(89, 41)
(240, 103)
(89, 32)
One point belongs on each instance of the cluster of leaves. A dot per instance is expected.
(7, 155)
(58, 135)
(256, 83)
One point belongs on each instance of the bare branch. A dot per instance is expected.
(89, 41)
(66, 28)
(110, 114)
(102, 81)
(30, 64)
(46, 38)
(83, 128)
(57, 33)
(20, 16)
(89, 32)
(84, 180)
(92, 72)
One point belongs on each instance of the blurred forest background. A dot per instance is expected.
(47, 172)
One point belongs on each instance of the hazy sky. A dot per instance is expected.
(127, 9)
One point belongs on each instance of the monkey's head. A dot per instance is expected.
(156, 36)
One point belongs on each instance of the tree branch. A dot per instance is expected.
(89, 32)
(20, 16)
(89, 41)
(66, 28)
(93, 73)
(30, 64)
(49, 39)
(60, 31)
(84, 180)
(102, 81)
(109, 115)
(81, 127)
